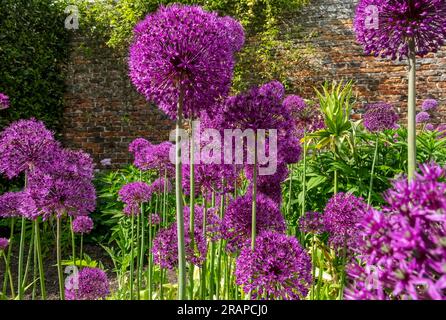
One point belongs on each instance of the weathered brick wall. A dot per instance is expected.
(104, 113)
(328, 26)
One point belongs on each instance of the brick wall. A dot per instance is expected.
(104, 113)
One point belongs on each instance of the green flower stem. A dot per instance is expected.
(220, 248)
(21, 253)
(141, 256)
(40, 260)
(203, 271)
(81, 251)
(179, 202)
(59, 259)
(33, 296)
(132, 253)
(73, 243)
(372, 173)
(8, 275)
(290, 191)
(8, 272)
(254, 197)
(192, 207)
(149, 268)
(28, 259)
(313, 256)
(304, 176)
(138, 255)
(411, 112)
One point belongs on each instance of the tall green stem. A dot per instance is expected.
(73, 243)
(132, 253)
(192, 206)
(21, 254)
(40, 260)
(372, 173)
(179, 202)
(59, 259)
(411, 112)
(304, 176)
(141, 256)
(149, 268)
(8, 275)
(203, 272)
(138, 255)
(254, 197)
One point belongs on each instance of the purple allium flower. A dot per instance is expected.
(312, 222)
(259, 108)
(133, 195)
(77, 164)
(234, 31)
(237, 223)
(165, 244)
(106, 162)
(379, 117)
(4, 101)
(183, 49)
(88, 284)
(24, 146)
(387, 31)
(58, 194)
(423, 117)
(403, 252)
(82, 225)
(429, 105)
(429, 127)
(306, 117)
(278, 268)
(155, 219)
(441, 129)
(4, 243)
(342, 215)
(152, 157)
(16, 204)
(157, 186)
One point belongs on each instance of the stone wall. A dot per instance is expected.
(104, 113)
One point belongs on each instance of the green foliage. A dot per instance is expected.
(33, 48)
(269, 51)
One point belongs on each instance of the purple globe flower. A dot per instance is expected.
(157, 186)
(312, 222)
(385, 27)
(403, 254)
(237, 224)
(16, 204)
(423, 117)
(183, 49)
(24, 146)
(278, 268)
(306, 117)
(152, 157)
(4, 243)
(342, 214)
(133, 195)
(82, 225)
(429, 105)
(154, 218)
(4, 101)
(234, 31)
(88, 284)
(165, 244)
(429, 127)
(441, 129)
(379, 117)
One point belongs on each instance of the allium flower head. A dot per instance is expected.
(152, 157)
(82, 225)
(312, 222)
(157, 186)
(234, 31)
(441, 129)
(278, 268)
(16, 204)
(429, 105)
(89, 284)
(379, 117)
(423, 117)
(25, 145)
(185, 49)
(165, 244)
(305, 116)
(4, 101)
(342, 215)
(154, 218)
(403, 252)
(4, 243)
(59, 194)
(429, 127)
(237, 224)
(133, 195)
(385, 27)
